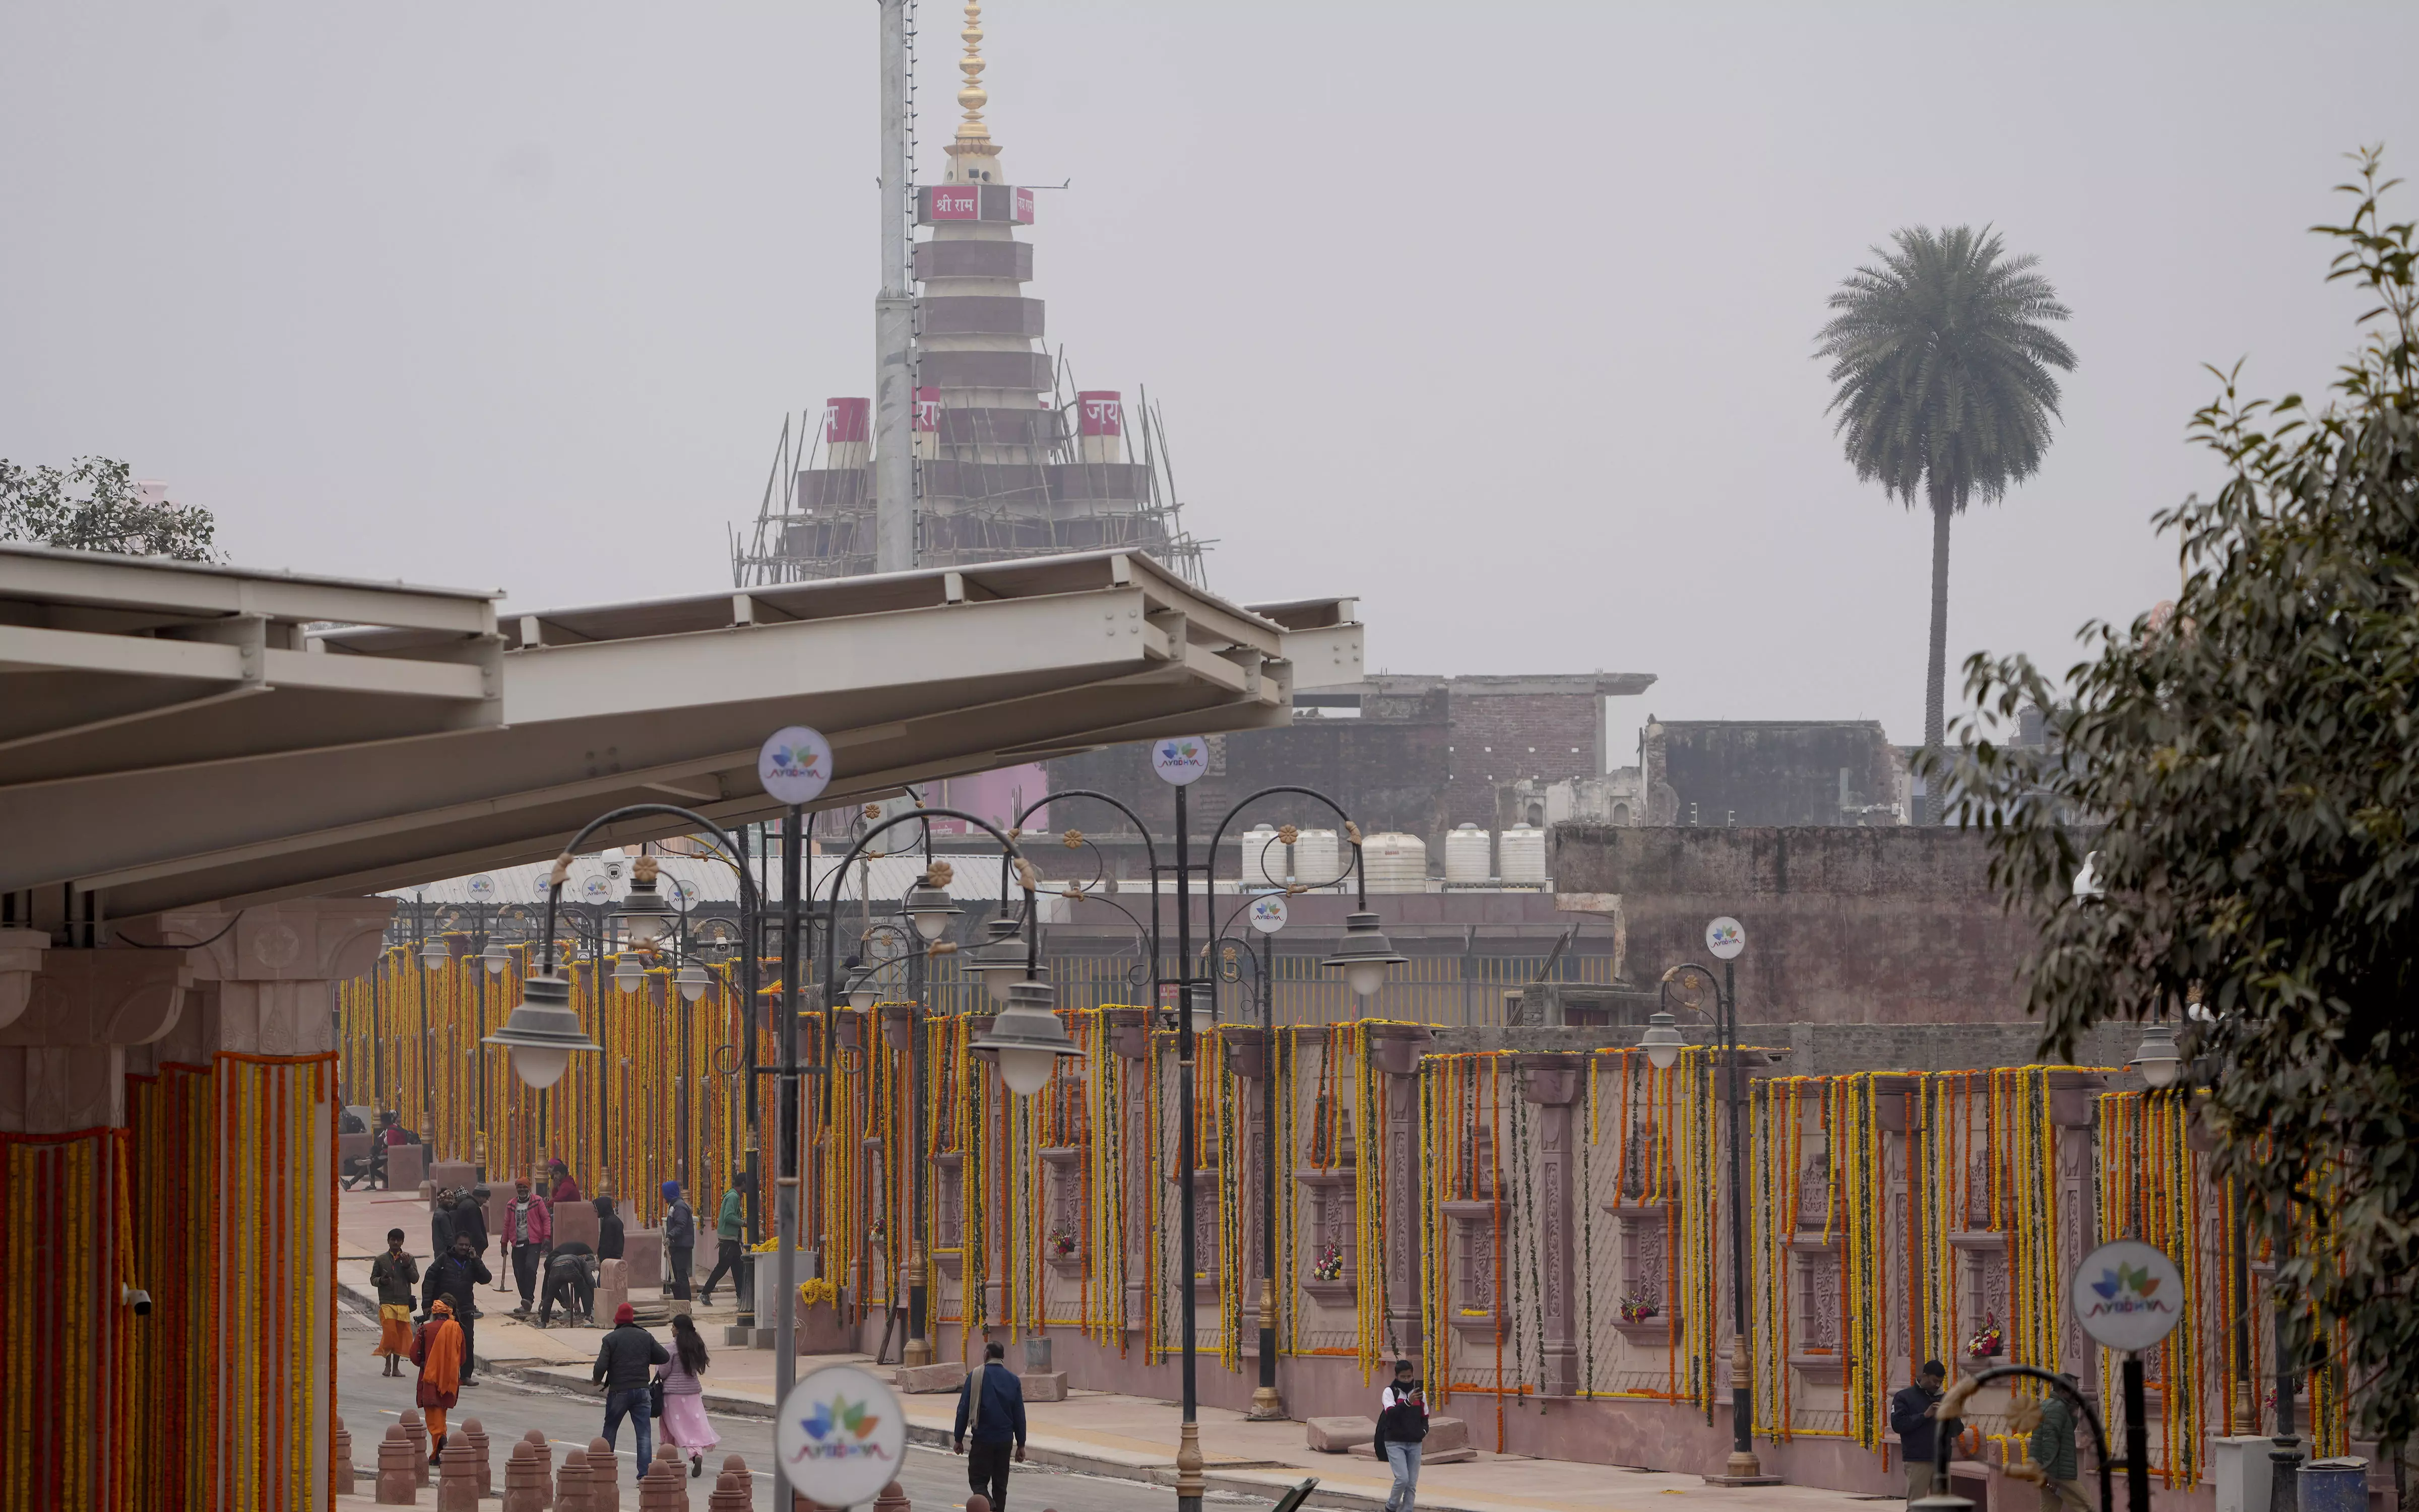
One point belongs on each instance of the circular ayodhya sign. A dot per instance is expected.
(1726, 936)
(1180, 759)
(794, 765)
(2127, 1295)
(1268, 913)
(841, 1437)
(482, 888)
(594, 887)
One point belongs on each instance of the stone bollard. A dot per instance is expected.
(730, 1494)
(340, 1460)
(604, 1478)
(536, 1439)
(893, 1499)
(417, 1431)
(396, 1484)
(525, 1479)
(457, 1477)
(666, 1487)
(475, 1435)
(571, 1483)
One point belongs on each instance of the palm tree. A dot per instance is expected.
(1942, 354)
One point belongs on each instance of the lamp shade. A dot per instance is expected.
(494, 957)
(627, 973)
(862, 993)
(1364, 955)
(692, 981)
(543, 1033)
(645, 911)
(433, 952)
(2157, 1060)
(1661, 1042)
(999, 960)
(1029, 1039)
(930, 907)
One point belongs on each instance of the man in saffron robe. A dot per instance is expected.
(437, 1348)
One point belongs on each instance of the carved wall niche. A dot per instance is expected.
(1471, 1223)
(1983, 1288)
(1063, 1211)
(949, 1210)
(1644, 1238)
(1331, 1215)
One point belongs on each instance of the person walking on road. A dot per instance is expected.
(991, 1405)
(527, 1235)
(679, 1237)
(729, 1247)
(394, 1274)
(622, 1362)
(439, 1350)
(684, 1424)
(1915, 1417)
(1402, 1425)
(2052, 1447)
(456, 1274)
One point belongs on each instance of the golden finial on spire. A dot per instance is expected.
(971, 98)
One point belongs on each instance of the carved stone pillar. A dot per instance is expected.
(1396, 1049)
(1552, 1083)
(21, 956)
(1129, 1038)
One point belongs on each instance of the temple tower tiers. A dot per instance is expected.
(1012, 459)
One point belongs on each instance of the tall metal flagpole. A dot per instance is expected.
(894, 366)
(1189, 1484)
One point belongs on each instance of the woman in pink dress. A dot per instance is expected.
(684, 1424)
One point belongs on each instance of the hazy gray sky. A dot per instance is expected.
(1498, 317)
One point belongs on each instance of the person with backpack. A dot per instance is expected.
(1402, 1423)
(992, 1406)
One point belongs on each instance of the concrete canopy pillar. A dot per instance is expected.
(1552, 1083)
(63, 1058)
(263, 1024)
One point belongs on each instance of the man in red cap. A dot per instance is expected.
(622, 1362)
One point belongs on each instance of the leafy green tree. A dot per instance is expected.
(2248, 764)
(94, 506)
(1942, 354)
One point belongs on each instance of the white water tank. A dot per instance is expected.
(1264, 860)
(1317, 861)
(1396, 862)
(1469, 854)
(1524, 856)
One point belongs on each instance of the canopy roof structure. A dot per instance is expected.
(173, 734)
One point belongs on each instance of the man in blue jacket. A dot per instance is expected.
(1915, 1417)
(994, 1400)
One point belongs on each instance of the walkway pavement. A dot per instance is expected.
(1100, 1433)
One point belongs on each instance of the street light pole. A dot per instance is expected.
(1189, 1484)
(785, 1219)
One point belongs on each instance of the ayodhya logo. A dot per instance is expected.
(2124, 1289)
(1726, 932)
(842, 1430)
(1179, 753)
(799, 761)
(1268, 913)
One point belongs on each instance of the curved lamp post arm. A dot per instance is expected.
(1953, 1404)
(840, 876)
(571, 848)
(1360, 873)
(1151, 852)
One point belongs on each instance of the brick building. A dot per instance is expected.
(1414, 753)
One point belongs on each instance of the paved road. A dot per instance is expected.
(507, 1410)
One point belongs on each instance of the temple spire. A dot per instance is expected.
(971, 98)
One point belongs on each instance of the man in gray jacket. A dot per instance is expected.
(679, 1237)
